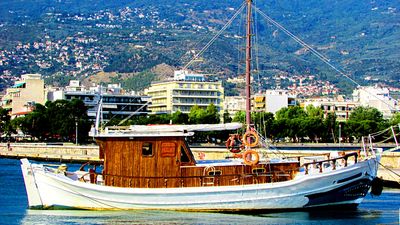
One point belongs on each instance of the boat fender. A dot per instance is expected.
(251, 157)
(376, 186)
(62, 169)
(92, 176)
(250, 139)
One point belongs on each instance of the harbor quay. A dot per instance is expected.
(70, 153)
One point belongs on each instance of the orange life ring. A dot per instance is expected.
(250, 162)
(231, 144)
(249, 135)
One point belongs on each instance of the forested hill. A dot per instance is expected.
(65, 39)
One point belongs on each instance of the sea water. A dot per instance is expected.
(13, 210)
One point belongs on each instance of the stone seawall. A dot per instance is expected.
(43, 151)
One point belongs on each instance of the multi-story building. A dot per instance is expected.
(273, 100)
(234, 104)
(184, 92)
(377, 97)
(115, 104)
(24, 94)
(341, 107)
(270, 101)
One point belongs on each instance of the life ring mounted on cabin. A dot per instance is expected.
(250, 139)
(251, 157)
(234, 143)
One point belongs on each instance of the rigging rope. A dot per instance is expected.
(256, 49)
(215, 37)
(134, 113)
(390, 171)
(315, 52)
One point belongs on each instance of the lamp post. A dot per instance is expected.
(76, 131)
(340, 133)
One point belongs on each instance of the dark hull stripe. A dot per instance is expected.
(349, 192)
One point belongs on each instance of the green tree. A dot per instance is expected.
(313, 125)
(57, 120)
(263, 122)
(195, 115)
(179, 118)
(6, 127)
(330, 127)
(364, 121)
(314, 111)
(211, 115)
(288, 123)
(395, 120)
(227, 117)
(291, 113)
(240, 117)
(198, 115)
(36, 123)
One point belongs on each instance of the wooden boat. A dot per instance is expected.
(155, 169)
(152, 167)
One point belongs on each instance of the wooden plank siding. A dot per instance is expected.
(161, 162)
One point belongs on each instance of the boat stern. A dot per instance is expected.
(32, 191)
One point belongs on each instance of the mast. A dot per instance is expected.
(248, 65)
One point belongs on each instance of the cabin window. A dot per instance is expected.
(168, 149)
(147, 149)
(184, 156)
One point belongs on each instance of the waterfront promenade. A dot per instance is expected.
(70, 153)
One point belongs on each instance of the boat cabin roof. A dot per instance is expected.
(161, 130)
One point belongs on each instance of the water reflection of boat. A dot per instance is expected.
(152, 167)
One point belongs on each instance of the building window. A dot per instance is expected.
(147, 149)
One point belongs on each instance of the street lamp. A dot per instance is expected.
(76, 131)
(340, 133)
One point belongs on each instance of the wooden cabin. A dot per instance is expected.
(160, 161)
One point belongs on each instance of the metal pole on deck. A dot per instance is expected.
(363, 143)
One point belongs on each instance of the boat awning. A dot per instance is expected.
(185, 128)
(162, 130)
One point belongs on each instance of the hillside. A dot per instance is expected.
(72, 39)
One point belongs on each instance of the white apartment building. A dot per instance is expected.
(377, 97)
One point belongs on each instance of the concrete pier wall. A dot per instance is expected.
(43, 151)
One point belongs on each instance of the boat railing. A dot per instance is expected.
(332, 161)
(209, 178)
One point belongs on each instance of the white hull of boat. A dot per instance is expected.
(345, 186)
